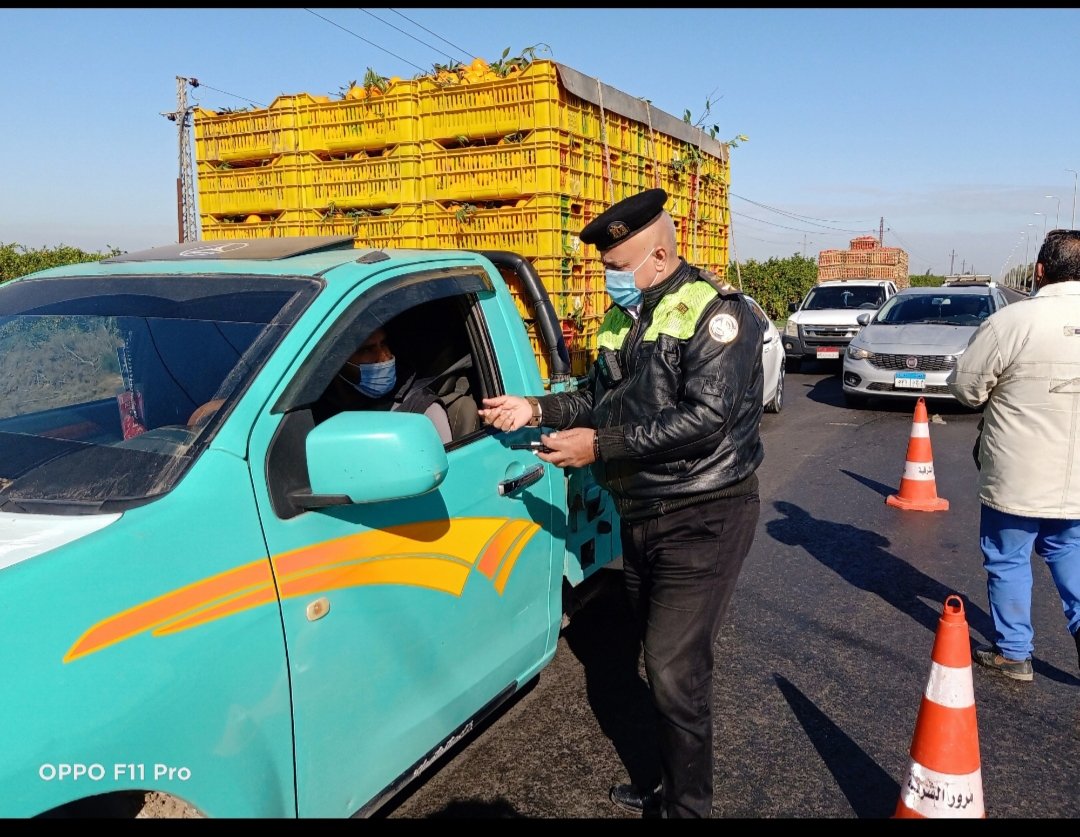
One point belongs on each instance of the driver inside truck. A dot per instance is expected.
(374, 378)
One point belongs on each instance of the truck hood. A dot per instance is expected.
(829, 316)
(24, 536)
(916, 338)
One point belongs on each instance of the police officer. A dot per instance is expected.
(669, 423)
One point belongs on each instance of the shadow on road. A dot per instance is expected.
(861, 558)
(605, 641)
(870, 791)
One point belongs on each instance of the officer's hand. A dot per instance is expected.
(571, 448)
(506, 412)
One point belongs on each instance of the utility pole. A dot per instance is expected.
(804, 246)
(952, 261)
(881, 232)
(185, 183)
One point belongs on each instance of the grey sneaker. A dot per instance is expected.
(990, 656)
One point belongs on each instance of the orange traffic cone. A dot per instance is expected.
(918, 488)
(945, 778)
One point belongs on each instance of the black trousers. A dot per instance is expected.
(680, 571)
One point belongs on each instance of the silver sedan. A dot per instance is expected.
(908, 347)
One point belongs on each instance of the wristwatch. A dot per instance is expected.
(537, 413)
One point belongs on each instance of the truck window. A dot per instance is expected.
(435, 372)
(101, 379)
(855, 296)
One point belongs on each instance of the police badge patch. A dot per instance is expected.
(723, 328)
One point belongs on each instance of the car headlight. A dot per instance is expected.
(857, 353)
(791, 329)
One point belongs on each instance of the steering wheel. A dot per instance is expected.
(203, 412)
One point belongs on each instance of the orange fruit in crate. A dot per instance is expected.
(356, 93)
(253, 219)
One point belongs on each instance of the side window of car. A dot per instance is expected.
(441, 341)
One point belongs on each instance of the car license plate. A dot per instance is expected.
(827, 352)
(910, 380)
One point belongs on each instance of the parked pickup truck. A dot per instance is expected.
(218, 602)
(821, 326)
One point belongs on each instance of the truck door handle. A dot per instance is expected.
(527, 477)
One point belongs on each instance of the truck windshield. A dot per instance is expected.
(108, 385)
(866, 297)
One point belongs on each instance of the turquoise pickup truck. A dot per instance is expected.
(243, 609)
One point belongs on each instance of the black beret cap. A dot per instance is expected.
(620, 221)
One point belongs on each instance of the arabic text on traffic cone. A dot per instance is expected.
(945, 776)
(918, 486)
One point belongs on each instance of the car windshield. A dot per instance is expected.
(108, 385)
(866, 297)
(944, 309)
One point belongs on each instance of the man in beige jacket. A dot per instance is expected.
(1023, 362)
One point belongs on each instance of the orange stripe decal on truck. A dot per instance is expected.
(224, 587)
(436, 555)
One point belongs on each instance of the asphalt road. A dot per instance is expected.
(822, 661)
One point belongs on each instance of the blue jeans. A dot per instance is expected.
(680, 571)
(1007, 541)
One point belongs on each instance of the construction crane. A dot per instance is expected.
(185, 183)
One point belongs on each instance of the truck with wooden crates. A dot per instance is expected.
(866, 258)
(472, 160)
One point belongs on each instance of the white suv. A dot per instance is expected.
(821, 326)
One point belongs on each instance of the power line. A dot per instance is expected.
(414, 23)
(366, 41)
(791, 214)
(796, 229)
(910, 252)
(227, 93)
(406, 34)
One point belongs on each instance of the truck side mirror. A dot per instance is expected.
(792, 307)
(372, 457)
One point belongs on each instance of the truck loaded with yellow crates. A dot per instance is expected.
(469, 160)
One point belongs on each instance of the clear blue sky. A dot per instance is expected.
(952, 125)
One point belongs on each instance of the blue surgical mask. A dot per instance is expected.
(376, 379)
(620, 285)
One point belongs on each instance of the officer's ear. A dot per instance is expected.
(662, 254)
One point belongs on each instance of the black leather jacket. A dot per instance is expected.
(682, 425)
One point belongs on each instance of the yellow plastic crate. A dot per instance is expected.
(359, 124)
(704, 243)
(541, 225)
(231, 189)
(380, 177)
(245, 135)
(581, 343)
(524, 163)
(397, 227)
(525, 102)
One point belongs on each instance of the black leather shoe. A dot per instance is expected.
(631, 798)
